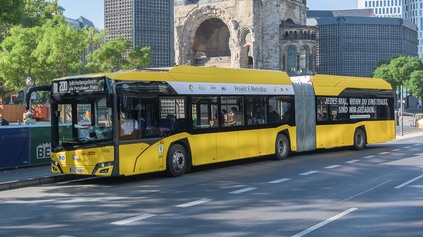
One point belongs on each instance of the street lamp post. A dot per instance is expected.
(402, 111)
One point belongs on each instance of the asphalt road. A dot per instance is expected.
(340, 192)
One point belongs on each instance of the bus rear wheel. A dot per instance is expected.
(359, 139)
(282, 147)
(176, 161)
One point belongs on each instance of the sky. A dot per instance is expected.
(93, 10)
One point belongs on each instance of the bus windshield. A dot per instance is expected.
(85, 121)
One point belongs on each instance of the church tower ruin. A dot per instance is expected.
(260, 34)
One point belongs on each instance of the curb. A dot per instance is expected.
(36, 181)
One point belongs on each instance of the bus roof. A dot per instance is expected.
(334, 85)
(206, 74)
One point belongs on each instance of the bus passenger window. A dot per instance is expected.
(235, 113)
(204, 112)
(256, 110)
(322, 110)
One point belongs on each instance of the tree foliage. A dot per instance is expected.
(139, 58)
(18, 59)
(113, 56)
(415, 84)
(37, 41)
(398, 70)
(43, 53)
(60, 50)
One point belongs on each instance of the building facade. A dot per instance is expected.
(245, 34)
(386, 8)
(145, 23)
(411, 10)
(353, 46)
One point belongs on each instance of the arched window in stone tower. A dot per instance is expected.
(246, 50)
(211, 41)
(292, 59)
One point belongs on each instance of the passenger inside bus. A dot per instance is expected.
(273, 116)
(128, 125)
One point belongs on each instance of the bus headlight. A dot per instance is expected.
(102, 166)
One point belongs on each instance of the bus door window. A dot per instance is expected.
(103, 120)
(256, 110)
(204, 112)
(129, 125)
(275, 110)
(281, 110)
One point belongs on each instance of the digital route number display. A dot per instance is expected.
(79, 85)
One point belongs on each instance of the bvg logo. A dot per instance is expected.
(43, 151)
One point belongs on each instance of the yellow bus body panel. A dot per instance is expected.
(330, 85)
(203, 148)
(328, 136)
(142, 158)
(138, 158)
(83, 161)
(227, 146)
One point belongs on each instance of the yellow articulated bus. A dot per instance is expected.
(137, 122)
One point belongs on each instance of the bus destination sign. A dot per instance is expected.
(79, 85)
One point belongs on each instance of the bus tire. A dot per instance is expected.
(176, 161)
(282, 147)
(359, 139)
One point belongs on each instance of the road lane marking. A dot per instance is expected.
(323, 223)
(190, 204)
(352, 161)
(309, 173)
(242, 190)
(369, 157)
(332, 166)
(417, 145)
(396, 150)
(409, 182)
(384, 153)
(279, 181)
(407, 147)
(370, 189)
(132, 219)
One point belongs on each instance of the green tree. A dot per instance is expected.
(397, 70)
(11, 11)
(43, 53)
(38, 12)
(415, 84)
(139, 58)
(26, 13)
(383, 72)
(60, 50)
(113, 56)
(401, 68)
(17, 57)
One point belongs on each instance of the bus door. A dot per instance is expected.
(205, 125)
(305, 116)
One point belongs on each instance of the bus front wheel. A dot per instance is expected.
(359, 139)
(282, 147)
(176, 162)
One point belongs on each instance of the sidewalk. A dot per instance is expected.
(30, 176)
